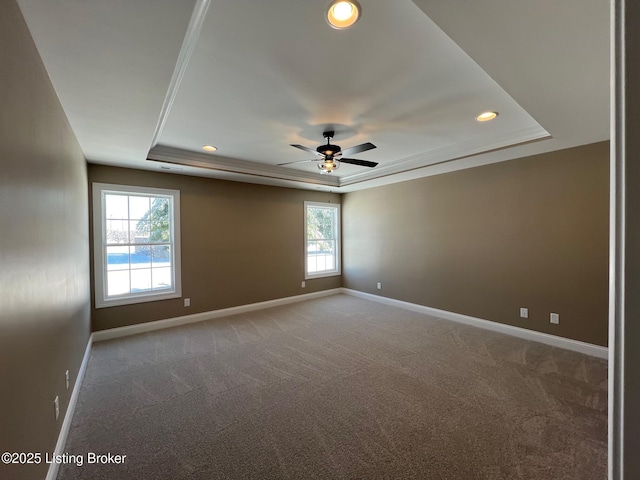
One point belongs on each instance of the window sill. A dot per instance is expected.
(321, 275)
(130, 300)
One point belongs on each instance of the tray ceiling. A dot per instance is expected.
(146, 84)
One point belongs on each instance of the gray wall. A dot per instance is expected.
(241, 244)
(44, 257)
(484, 242)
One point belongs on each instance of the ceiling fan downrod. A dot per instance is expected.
(329, 150)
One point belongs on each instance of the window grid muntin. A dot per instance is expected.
(164, 276)
(334, 238)
(133, 270)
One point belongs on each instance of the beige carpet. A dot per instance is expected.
(339, 387)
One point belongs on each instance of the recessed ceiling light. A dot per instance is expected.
(486, 116)
(342, 14)
(209, 148)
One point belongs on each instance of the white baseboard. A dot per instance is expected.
(199, 317)
(568, 344)
(52, 473)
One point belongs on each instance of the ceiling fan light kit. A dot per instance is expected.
(343, 14)
(328, 166)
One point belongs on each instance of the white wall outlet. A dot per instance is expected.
(187, 302)
(56, 404)
(555, 318)
(524, 313)
(303, 284)
(379, 286)
(66, 379)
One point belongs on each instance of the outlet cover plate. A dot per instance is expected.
(524, 313)
(554, 318)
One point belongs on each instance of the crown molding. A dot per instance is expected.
(448, 153)
(176, 156)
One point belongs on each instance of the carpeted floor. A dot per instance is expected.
(339, 387)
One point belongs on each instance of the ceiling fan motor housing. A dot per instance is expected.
(329, 150)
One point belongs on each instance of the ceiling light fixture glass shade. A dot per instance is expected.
(209, 148)
(328, 166)
(343, 14)
(486, 116)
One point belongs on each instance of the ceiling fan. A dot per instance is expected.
(330, 156)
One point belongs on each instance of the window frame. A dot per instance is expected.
(102, 300)
(338, 240)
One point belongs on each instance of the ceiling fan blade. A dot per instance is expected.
(306, 149)
(362, 163)
(358, 148)
(298, 161)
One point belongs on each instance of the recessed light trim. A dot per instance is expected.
(343, 14)
(209, 148)
(486, 116)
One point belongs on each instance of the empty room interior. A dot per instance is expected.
(288, 239)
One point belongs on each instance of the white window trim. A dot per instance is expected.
(99, 257)
(338, 270)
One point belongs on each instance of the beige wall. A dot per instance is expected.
(484, 242)
(241, 244)
(44, 257)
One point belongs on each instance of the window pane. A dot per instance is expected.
(160, 232)
(140, 256)
(117, 282)
(139, 231)
(117, 258)
(321, 263)
(320, 222)
(117, 231)
(321, 256)
(161, 277)
(160, 219)
(116, 206)
(140, 280)
(161, 255)
(138, 207)
(159, 208)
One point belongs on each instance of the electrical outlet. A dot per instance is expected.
(555, 318)
(187, 302)
(379, 286)
(303, 284)
(56, 404)
(524, 313)
(66, 378)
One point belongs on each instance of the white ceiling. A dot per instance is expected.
(159, 79)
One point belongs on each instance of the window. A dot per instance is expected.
(322, 233)
(136, 233)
